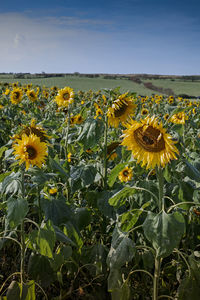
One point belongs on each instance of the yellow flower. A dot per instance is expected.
(99, 112)
(53, 191)
(112, 156)
(144, 112)
(16, 95)
(78, 119)
(121, 110)
(166, 117)
(34, 129)
(30, 150)
(1, 106)
(69, 155)
(32, 95)
(179, 118)
(125, 175)
(65, 97)
(7, 92)
(149, 143)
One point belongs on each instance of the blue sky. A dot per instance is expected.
(129, 36)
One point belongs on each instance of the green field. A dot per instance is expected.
(178, 86)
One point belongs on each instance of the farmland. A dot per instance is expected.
(100, 187)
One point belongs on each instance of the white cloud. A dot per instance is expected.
(19, 40)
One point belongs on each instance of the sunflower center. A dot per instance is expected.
(119, 111)
(32, 95)
(66, 96)
(16, 95)
(151, 139)
(125, 173)
(32, 153)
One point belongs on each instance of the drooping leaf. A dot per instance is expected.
(164, 231)
(17, 210)
(122, 249)
(120, 197)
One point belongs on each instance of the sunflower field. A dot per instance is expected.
(100, 195)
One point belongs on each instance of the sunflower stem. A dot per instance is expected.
(156, 278)
(67, 133)
(39, 205)
(160, 178)
(105, 152)
(22, 233)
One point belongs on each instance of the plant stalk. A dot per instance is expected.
(105, 152)
(22, 233)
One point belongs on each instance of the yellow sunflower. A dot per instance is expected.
(78, 119)
(179, 118)
(65, 97)
(121, 110)
(53, 191)
(16, 95)
(125, 175)
(30, 150)
(144, 112)
(149, 143)
(32, 95)
(34, 129)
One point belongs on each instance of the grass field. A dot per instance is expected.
(178, 86)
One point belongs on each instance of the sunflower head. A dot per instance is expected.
(121, 110)
(65, 97)
(34, 129)
(30, 150)
(179, 118)
(125, 175)
(32, 95)
(144, 112)
(16, 95)
(149, 143)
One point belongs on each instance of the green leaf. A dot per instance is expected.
(82, 176)
(28, 290)
(122, 249)
(73, 234)
(120, 197)
(17, 210)
(43, 240)
(2, 150)
(91, 133)
(164, 231)
(129, 218)
(13, 291)
(39, 269)
(56, 166)
(56, 210)
(82, 217)
(192, 171)
(114, 174)
(11, 184)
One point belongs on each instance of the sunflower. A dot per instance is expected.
(149, 143)
(53, 191)
(166, 117)
(32, 95)
(125, 175)
(65, 97)
(16, 95)
(78, 119)
(34, 129)
(30, 150)
(179, 118)
(144, 112)
(121, 110)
